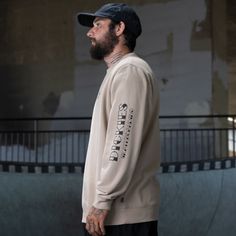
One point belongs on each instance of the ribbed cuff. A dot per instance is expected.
(101, 204)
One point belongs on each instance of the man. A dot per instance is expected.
(120, 191)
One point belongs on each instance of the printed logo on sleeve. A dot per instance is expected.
(122, 133)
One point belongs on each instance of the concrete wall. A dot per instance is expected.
(36, 57)
(231, 52)
(45, 68)
(220, 76)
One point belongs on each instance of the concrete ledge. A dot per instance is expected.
(40, 168)
(182, 167)
(198, 166)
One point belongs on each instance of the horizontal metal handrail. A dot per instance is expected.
(207, 137)
(89, 117)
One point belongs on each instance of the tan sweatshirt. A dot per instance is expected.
(123, 152)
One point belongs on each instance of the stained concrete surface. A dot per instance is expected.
(197, 203)
(40, 205)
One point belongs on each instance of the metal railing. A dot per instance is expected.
(63, 141)
(198, 138)
(50, 141)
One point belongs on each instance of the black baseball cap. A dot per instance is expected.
(116, 12)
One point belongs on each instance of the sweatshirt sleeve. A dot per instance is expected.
(131, 93)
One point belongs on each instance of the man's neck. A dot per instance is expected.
(115, 56)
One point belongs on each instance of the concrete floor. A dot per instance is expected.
(196, 203)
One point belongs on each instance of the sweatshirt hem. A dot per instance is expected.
(130, 215)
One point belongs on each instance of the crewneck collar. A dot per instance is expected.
(121, 59)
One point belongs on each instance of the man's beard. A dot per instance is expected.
(105, 47)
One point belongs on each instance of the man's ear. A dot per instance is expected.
(120, 28)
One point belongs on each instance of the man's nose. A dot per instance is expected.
(90, 33)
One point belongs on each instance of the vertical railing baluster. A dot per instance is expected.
(220, 143)
(164, 146)
(6, 145)
(234, 121)
(1, 146)
(189, 145)
(171, 145)
(177, 144)
(12, 146)
(72, 147)
(61, 146)
(36, 140)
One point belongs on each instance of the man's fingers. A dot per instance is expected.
(97, 228)
(87, 227)
(93, 229)
(102, 221)
(102, 228)
(95, 222)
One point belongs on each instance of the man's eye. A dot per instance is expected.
(97, 25)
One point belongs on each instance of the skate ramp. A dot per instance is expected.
(201, 203)
(40, 204)
(198, 203)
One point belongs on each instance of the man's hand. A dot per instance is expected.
(95, 221)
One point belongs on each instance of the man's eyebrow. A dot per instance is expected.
(98, 19)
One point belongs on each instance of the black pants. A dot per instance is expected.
(139, 229)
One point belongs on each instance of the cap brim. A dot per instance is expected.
(86, 19)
